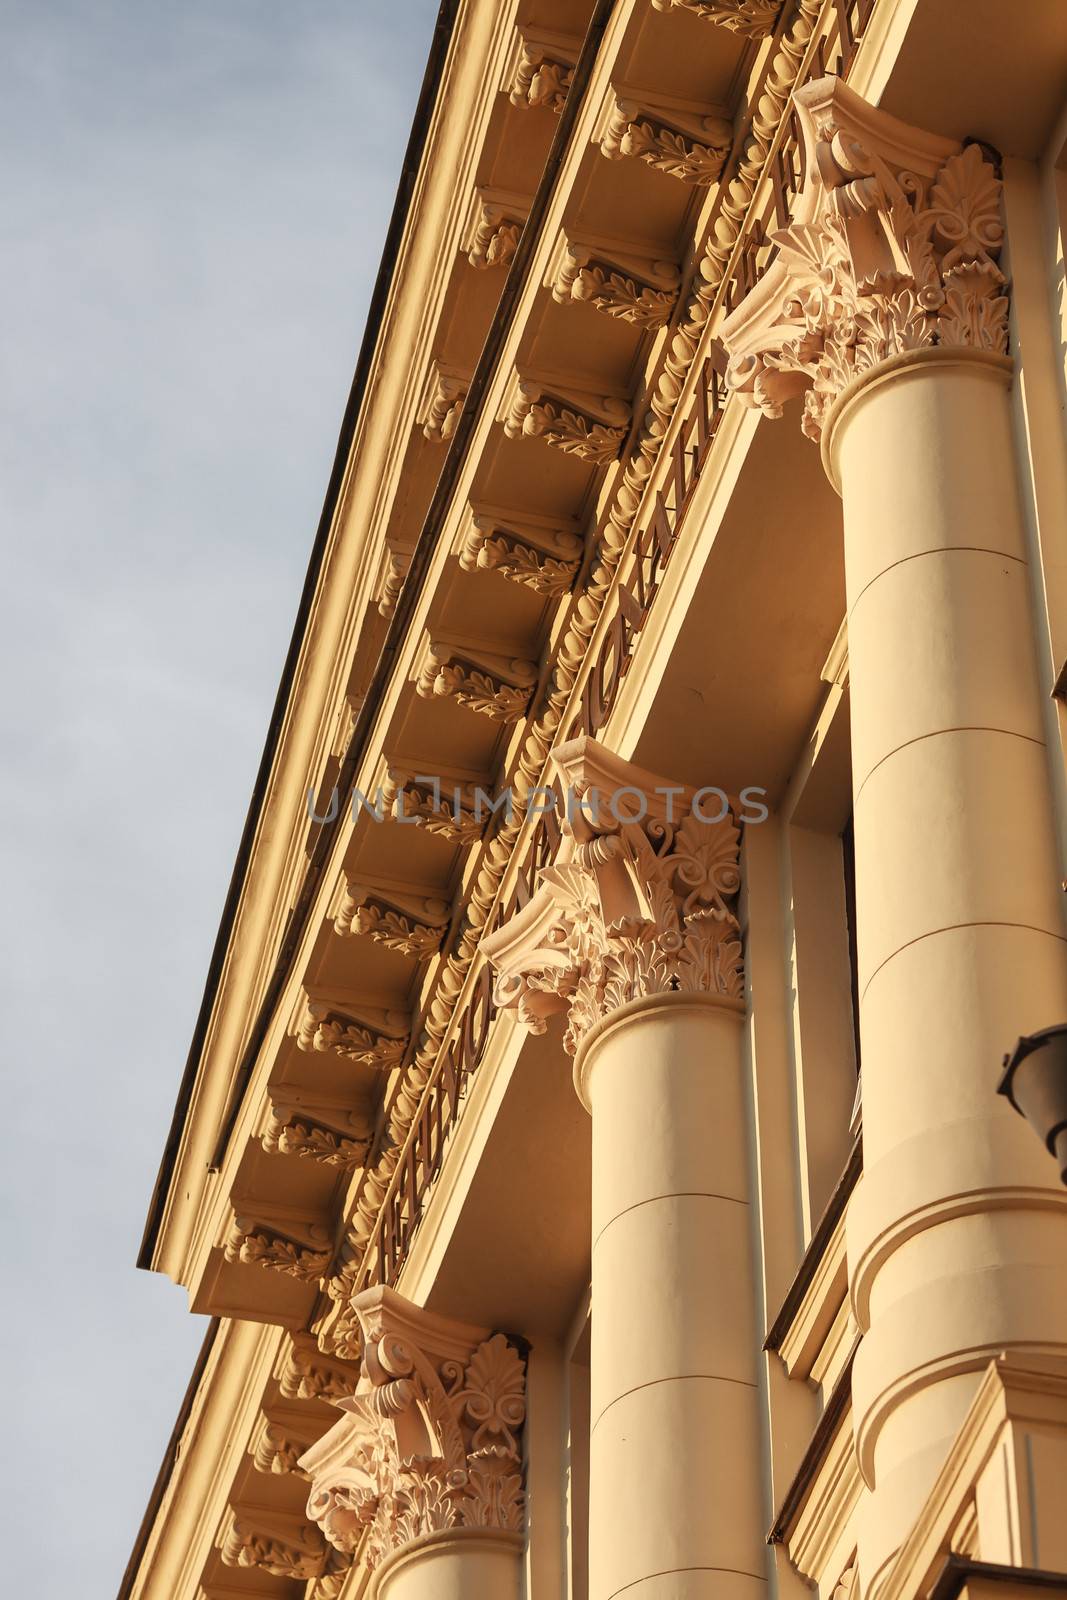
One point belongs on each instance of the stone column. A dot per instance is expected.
(422, 1476)
(887, 309)
(633, 934)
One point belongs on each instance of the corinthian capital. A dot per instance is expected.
(892, 247)
(642, 901)
(431, 1438)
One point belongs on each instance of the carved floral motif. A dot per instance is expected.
(886, 258)
(305, 1373)
(450, 811)
(430, 1441)
(496, 686)
(255, 1243)
(753, 18)
(495, 239)
(583, 279)
(643, 906)
(540, 79)
(293, 1133)
(693, 151)
(411, 924)
(443, 403)
(594, 435)
(334, 1026)
(544, 560)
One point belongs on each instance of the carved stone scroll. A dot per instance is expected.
(684, 144)
(279, 1438)
(494, 226)
(442, 803)
(892, 248)
(538, 553)
(540, 69)
(283, 1241)
(590, 426)
(619, 282)
(390, 914)
(490, 682)
(443, 397)
(330, 1134)
(278, 1543)
(643, 903)
(305, 1373)
(755, 19)
(430, 1441)
(361, 1032)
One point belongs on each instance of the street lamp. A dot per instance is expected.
(1035, 1081)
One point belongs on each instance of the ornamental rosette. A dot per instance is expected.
(892, 248)
(645, 904)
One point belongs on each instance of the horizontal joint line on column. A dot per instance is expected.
(938, 733)
(678, 1377)
(757, 1577)
(958, 927)
(657, 1199)
(937, 550)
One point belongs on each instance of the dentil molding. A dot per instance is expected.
(643, 903)
(892, 248)
(430, 1441)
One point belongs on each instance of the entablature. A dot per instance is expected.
(653, 395)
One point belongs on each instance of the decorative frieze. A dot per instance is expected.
(274, 1541)
(643, 903)
(363, 1033)
(431, 1439)
(490, 682)
(892, 248)
(577, 421)
(442, 401)
(686, 144)
(494, 227)
(305, 1373)
(540, 69)
(391, 914)
(755, 19)
(534, 551)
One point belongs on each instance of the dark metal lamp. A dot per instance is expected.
(1035, 1081)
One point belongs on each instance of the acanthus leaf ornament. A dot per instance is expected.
(431, 1440)
(754, 19)
(893, 248)
(644, 905)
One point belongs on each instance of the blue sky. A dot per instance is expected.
(195, 199)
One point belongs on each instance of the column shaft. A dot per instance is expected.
(958, 1233)
(675, 1503)
(461, 1564)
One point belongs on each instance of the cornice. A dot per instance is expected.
(799, 46)
(250, 895)
(628, 516)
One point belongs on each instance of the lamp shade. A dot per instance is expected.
(1035, 1081)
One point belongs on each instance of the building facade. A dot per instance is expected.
(589, 1155)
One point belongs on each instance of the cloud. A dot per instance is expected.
(195, 203)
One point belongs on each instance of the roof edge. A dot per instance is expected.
(416, 145)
